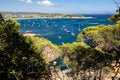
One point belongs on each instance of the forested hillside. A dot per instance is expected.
(96, 52)
(17, 59)
(94, 55)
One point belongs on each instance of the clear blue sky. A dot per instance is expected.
(59, 6)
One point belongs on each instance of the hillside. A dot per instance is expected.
(95, 55)
(18, 15)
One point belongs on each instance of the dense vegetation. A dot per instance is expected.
(18, 60)
(106, 38)
(115, 18)
(97, 47)
(41, 45)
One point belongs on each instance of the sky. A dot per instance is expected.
(59, 6)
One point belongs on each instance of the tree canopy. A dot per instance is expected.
(96, 47)
(115, 18)
(17, 59)
(106, 38)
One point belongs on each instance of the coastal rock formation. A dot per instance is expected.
(50, 54)
(31, 34)
(57, 74)
(105, 73)
(100, 74)
(49, 51)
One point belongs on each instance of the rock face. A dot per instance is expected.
(57, 74)
(47, 49)
(50, 54)
(31, 34)
(90, 74)
(100, 74)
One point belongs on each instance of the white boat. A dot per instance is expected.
(63, 43)
(79, 29)
(64, 26)
(59, 37)
(68, 31)
(54, 63)
(29, 31)
(72, 34)
(65, 29)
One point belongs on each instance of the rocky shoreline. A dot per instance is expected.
(31, 34)
(90, 74)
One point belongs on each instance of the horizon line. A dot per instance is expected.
(49, 12)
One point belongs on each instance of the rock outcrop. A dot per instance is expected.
(57, 74)
(50, 54)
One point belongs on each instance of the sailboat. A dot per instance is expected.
(64, 26)
(59, 37)
(79, 28)
(73, 34)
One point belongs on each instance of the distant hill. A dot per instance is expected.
(7, 15)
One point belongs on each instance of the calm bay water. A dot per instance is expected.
(61, 30)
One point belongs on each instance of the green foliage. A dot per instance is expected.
(22, 57)
(39, 43)
(103, 38)
(44, 46)
(67, 48)
(2, 21)
(82, 56)
(104, 47)
(17, 59)
(106, 38)
(91, 34)
(115, 18)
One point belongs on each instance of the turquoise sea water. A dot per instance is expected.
(61, 30)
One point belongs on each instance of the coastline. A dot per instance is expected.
(83, 17)
(31, 34)
(22, 16)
